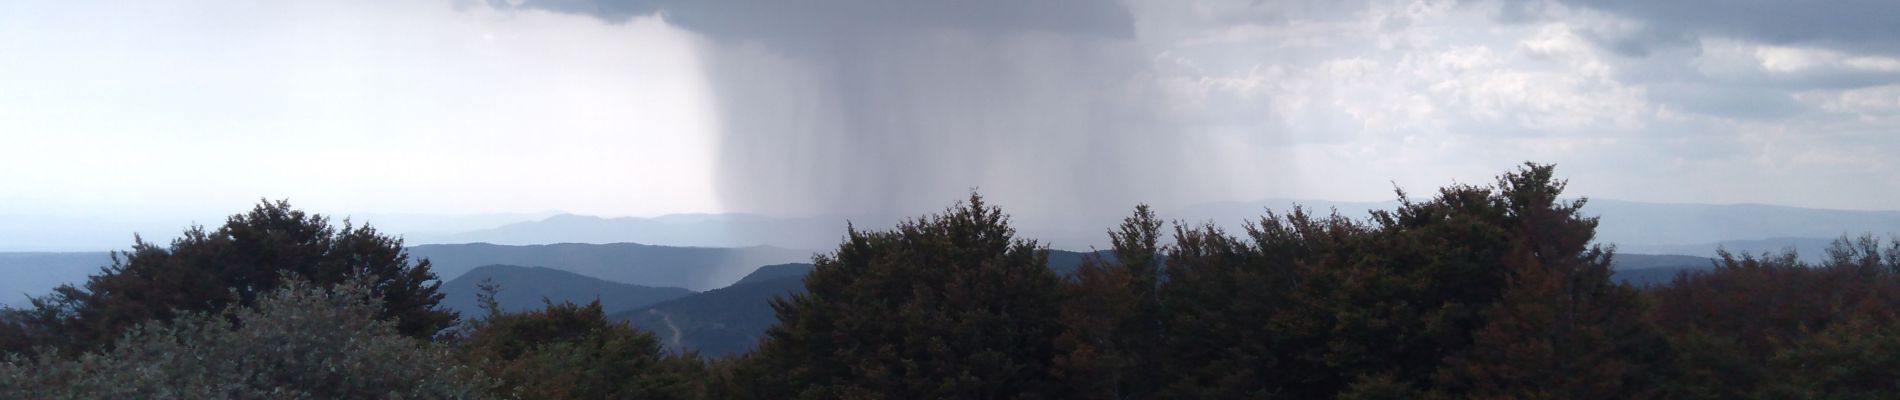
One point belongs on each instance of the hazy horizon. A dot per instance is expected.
(1648, 227)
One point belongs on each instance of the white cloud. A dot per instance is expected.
(1880, 104)
(1873, 63)
(1796, 59)
(1422, 93)
(349, 105)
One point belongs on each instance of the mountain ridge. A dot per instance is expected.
(696, 268)
(525, 288)
(1648, 227)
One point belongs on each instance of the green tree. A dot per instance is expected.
(1219, 300)
(297, 341)
(1409, 302)
(1560, 334)
(1111, 316)
(1562, 329)
(568, 351)
(1854, 359)
(210, 270)
(1381, 304)
(1737, 327)
(946, 306)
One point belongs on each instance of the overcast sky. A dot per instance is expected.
(623, 108)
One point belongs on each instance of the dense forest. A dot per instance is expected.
(1477, 291)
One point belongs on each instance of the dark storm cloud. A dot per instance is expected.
(876, 107)
(1668, 49)
(793, 20)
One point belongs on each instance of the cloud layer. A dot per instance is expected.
(198, 108)
(1673, 101)
(883, 108)
(884, 105)
(1057, 109)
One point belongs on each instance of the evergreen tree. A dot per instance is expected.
(1854, 359)
(1562, 329)
(1383, 304)
(1091, 360)
(569, 351)
(208, 271)
(1738, 328)
(946, 306)
(1329, 307)
(1220, 301)
(1560, 334)
(1111, 316)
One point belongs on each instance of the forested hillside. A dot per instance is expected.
(716, 323)
(1493, 291)
(524, 288)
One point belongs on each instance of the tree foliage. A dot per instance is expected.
(1854, 359)
(1772, 326)
(207, 271)
(1478, 291)
(1561, 329)
(569, 351)
(1481, 291)
(1110, 319)
(946, 306)
(296, 341)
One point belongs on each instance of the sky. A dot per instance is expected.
(1051, 108)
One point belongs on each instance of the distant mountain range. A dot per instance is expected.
(774, 272)
(1638, 227)
(40, 233)
(700, 230)
(718, 322)
(1649, 270)
(696, 268)
(25, 274)
(1811, 249)
(1633, 225)
(36, 274)
(526, 288)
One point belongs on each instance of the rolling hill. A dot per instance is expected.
(25, 274)
(1644, 270)
(712, 230)
(524, 288)
(696, 268)
(717, 322)
(774, 272)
